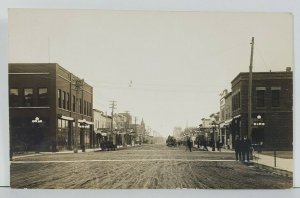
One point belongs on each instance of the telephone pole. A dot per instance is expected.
(250, 93)
(78, 87)
(113, 107)
(136, 134)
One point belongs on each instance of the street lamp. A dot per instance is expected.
(214, 134)
(37, 136)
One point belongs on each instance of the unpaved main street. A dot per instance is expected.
(147, 166)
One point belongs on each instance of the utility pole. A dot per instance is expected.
(250, 93)
(78, 88)
(135, 127)
(113, 106)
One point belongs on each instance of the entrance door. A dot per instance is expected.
(82, 137)
(257, 135)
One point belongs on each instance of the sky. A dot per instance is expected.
(165, 67)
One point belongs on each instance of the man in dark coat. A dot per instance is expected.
(245, 148)
(238, 148)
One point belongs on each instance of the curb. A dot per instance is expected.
(273, 170)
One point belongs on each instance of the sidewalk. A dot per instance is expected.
(266, 160)
(281, 163)
(66, 152)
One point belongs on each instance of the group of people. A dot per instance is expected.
(242, 148)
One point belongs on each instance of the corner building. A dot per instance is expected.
(272, 108)
(46, 92)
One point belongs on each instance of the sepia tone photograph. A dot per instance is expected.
(103, 99)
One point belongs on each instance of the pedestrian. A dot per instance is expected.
(219, 145)
(245, 148)
(205, 145)
(188, 144)
(237, 148)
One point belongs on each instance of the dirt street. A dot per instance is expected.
(147, 166)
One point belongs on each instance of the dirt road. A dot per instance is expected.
(150, 167)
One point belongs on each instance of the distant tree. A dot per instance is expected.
(171, 141)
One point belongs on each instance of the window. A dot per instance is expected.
(84, 108)
(80, 106)
(43, 97)
(62, 134)
(68, 101)
(90, 110)
(275, 97)
(28, 97)
(236, 101)
(260, 98)
(87, 109)
(73, 103)
(64, 99)
(13, 97)
(59, 98)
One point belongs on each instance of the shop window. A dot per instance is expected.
(13, 97)
(28, 97)
(43, 97)
(62, 136)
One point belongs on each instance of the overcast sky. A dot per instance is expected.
(165, 67)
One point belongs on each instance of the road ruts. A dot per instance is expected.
(142, 167)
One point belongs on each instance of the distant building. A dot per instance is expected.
(272, 108)
(102, 126)
(44, 106)
(177, 133)
(225, 135)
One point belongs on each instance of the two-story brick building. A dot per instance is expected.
(44, 107)
(272, 108)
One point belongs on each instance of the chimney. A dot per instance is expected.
(288, 69)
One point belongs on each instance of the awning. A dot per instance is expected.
(237, 116)
(86, 122)
(227, 122)
(66, 118)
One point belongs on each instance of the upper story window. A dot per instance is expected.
(68, 101)
(87, 109)
(64, 100)
(74, 103)
(236, 101)
(28, 97)
(59, 98)
(43, 97)
(14, 97)
(84, 108)
(275, 96)
(260, 96)
(80, 106)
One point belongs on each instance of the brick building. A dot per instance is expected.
(272, 108)
(225, 119)
(43, 108)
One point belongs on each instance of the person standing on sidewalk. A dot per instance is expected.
(219, 145)
(237, 148)
(246, 148)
